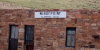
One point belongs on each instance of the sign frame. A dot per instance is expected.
(50, 14)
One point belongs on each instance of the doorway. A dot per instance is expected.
(29, 37)
(13, 39)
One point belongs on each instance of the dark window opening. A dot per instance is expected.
(91, 46)
(96, 37)
(13, 40)
(29, 37)
(70, 37)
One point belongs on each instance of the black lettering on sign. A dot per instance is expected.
(58, 13)
(41, 13)
(50, 13)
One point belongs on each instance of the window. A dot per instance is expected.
(14, 32)
(70, 37)
(92, 46)
(97, 37)
(29, 33)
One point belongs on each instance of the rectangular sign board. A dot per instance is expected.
(50, 14)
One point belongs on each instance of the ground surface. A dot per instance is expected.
(7, 5)
(52, 4)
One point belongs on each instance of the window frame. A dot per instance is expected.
(70, 28)
(11, 32)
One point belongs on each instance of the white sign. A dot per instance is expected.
(50, 14)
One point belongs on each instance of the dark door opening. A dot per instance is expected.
(29, 47)
(29, 37)
(13, 40)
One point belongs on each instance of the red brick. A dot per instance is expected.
(50, 34)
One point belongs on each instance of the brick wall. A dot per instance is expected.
(50, 34)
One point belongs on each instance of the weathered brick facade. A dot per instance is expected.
(50, 34)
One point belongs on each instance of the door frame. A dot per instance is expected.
(25, 36)
(10, 35)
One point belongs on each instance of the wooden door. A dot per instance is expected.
(29, 37)
(13, 41)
